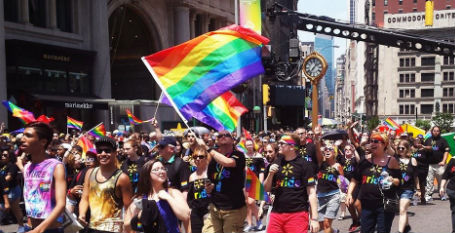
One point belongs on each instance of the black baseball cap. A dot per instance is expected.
(168, 140)
(106, 141)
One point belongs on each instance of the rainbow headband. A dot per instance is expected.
(288, 139)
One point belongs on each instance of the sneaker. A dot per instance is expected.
(341, 217)
(259, 225)
(444, 198)
(407, 229)
(428, 199)
(248, 228)
(354, 228)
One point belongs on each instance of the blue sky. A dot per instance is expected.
(337, 9)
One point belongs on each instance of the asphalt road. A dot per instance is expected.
(433, 217)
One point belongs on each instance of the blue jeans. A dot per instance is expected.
(376, 219)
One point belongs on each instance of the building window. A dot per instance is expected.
(449, 60)
(428, 61)
(448, 76)
(11, 10)
(64, 15)
(386, 12)
(448, 108)
(401, 93)
(448, 92)
(427, 93)
(448, 7)
(427, 77)
(400, 11)
(406, 109)
(386, 2)
(407, 62)
(407, 78)
(415, 1)
(37, 12)
(373, 2)
(426, 108)
(400, 2)
(414, 10)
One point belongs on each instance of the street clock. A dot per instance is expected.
(314, 66)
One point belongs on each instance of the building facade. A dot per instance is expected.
(81, 58)
(324, 45)
(414, 85)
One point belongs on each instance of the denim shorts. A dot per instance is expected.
(15, 193)
(406, 194)
(328, 206)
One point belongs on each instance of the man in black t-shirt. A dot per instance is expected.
(306, 149)
(291, 179)
(227, 172)
(437, 150)
(178, 171)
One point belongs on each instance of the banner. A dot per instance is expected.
(250, 15)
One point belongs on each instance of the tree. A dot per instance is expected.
(423, 124)
(372, 123)
(444, 121)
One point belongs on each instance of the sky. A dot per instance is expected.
(337, 9)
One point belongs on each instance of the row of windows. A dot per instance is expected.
(38, 13)
(407, 93)
(448, 108)
(407, 109)
(411, 62)
(449, 60)
(410, 93)
(426, 77)
(448, 76)
(410, 109)
(448, 92)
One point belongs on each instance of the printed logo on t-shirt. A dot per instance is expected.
(133, 173)
(287, 181)
(404, 175)
(219, 175)
(200, 185)
(44, 187)
(348, 167)
(374, 178)
(328, 174)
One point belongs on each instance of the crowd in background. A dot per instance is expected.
(195, 182)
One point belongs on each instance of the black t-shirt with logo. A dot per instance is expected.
(349, 166)
(327, 179)
(449, 175)
(439, 147)
(133, 169)
(308, 152)
(12, 169)
(178, 172)
(289, 185)
(368, 176)
(229, 182)
(408, 174)
(198, 198)
(422, 159)
(255, 164)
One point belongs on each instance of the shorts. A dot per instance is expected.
(296, 222)
(15, 193)
(328, 206)
(406, 194)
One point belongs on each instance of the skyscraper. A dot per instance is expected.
(324, 45)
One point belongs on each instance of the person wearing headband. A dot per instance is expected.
(291, 179)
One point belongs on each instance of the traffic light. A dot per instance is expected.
(265, 94)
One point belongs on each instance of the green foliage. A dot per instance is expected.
(423, 124)
(444, 121)
(372, 123)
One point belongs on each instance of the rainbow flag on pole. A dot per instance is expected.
(241, 146)
(194, 73)
(98, 131)
(85, 144)
(393, 125)
(254, 188)
(24, 115)
(133, 119)
(73, 124)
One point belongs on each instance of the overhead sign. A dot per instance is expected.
(416, 20)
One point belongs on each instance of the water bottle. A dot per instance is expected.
(386, 184)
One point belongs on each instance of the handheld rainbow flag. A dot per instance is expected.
(133, 119)
(45, 119)
(393, 125)
(241, 146)
(24, 115)
(222, 113)
(73, 124)
(98, 131)
(85, 144)
(254, 188)
(194, 73)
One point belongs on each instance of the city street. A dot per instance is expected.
(434, 217)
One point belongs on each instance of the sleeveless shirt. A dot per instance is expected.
(39, 189)
(105, 206)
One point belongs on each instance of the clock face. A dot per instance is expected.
(313, 67)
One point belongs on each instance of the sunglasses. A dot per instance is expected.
(375, 141)
(199, 157)
(328, 149)
(401, 148)
(159, 169)
(106, 150)
(224, 135)
(5, 155)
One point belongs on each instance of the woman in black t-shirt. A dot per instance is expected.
(421, 157)
(375, 172)
(449, 176)
(407, 182)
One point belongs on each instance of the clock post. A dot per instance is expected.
(314, 67)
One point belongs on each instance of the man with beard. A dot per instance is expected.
(106, 191)
(437, 150)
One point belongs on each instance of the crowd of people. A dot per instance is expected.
(150, 182)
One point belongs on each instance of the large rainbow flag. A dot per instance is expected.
(24, 115)
(254, 188)
(73, 123)
(222, 113)
(194, 73)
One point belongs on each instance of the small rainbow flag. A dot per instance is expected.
(241, 146)
(98, 131)
(254, 188)
(393, 125)
(194, 73)
(73, 124)
(133, 119)
(85, 144)
(24, 115)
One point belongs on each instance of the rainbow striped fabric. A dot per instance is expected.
(98, 131)
(194, 73)
(254, 188)
(222, 113)
(241, 146)
(85, 144)
(393, 125)
(133, 119)
(73, 124)
(24, 115)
